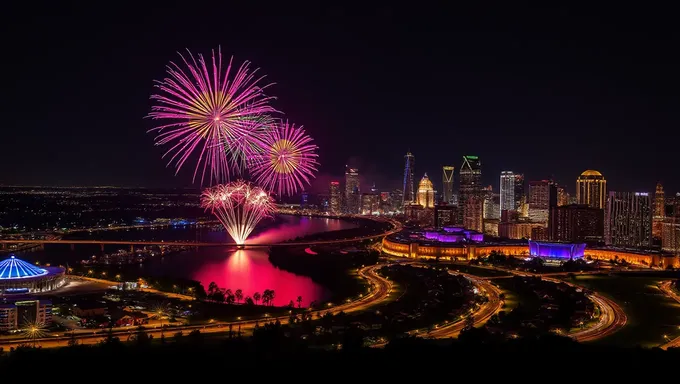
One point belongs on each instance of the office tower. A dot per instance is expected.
(562, 196)
(408, 190)
(334, 197)
(576, 223)
(659, 202)
(447, 182)
(444, 215)
(397, 197)
(304, 199)
(628, 219)
(591, 189)
(470, 197)
(542, 196)
(507, 190)
(670, 237)
(369, 203)
(425, 193)
(491, 209)
(520, 193)
(352, 191)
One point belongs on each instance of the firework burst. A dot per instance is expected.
(287, 160)
(239, 206)
(217, 115)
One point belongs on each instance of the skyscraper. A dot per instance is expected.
(335, 199)
(628, 219)
(576, 223)
(591, 189)
(520, 193)
(659, 211)
(470, 197)
(352, 191)
(447, 181)
(409, 187)
(507, 191)
(542, 197)
(425, 192)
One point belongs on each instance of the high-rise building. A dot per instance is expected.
(576, 223)
(397, 200)
(470, 197)
(542, 196)
(425, 193)
(591, 189)
(352, 191)
(507, 190)
(562, 196)
(369, 203)
(447, 181)
(492, 204)
(444, 214)
(628, 219)
(409, 187)
(670, 237)
(334, 197)
(520, 193)
(659, 202)
(304, 199)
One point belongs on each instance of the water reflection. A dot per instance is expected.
(250, 271)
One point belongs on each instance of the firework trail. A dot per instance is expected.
(239, 206)
(218, 115)
(287, 160)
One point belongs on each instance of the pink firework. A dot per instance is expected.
(287, 160)
(239, 206)
(216, 115)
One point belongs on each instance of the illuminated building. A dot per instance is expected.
(445, 214)
(352, 191)
(397, 197)
(369, 203)
(470, 197)
(409, 183)
(562, 196)
(447, 181)
(507, 189)
(14, 316)
(556, 251)
(517, 231)
(670, 237)
(628, 219)
(304, 199)
(335, 199)
(491, 227)
(18, 276)
(425, 193)
(520, 193)
(659, 211)
(492, 205)
(417, 213)
(591, 189)
(542, 196)
(576, 223)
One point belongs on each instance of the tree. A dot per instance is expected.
(291, 305)
(212, 288)
(239, 295)
(178, 336)
(469, 322)
(256, 297)
(141, 337)
(266, 296)
(299, 301)
(249, 301)
(230, 298)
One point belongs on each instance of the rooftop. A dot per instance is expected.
(14, 268)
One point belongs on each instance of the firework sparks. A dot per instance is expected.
(208, 112)
(34, 330)
(239, 206)
(287, 160)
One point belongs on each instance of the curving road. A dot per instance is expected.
(666, 288)
(380, 292)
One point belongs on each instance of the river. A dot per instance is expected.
(248, 270)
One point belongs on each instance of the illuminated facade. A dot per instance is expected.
(576, 223)
(20, 277)
(15, 316)
(370, 203)
(352, 191)
(409, 183)
(591, 189)
(628, 219)
(670, 237)
(492, 206)
(445, 214)
(520, 193)
(542, 196)
(334, 197)
(562, 196)
(659, 211)
(447, 183)
(517, 231)
(425, 196)
(470, 197)
(507, 190)
(559, 251)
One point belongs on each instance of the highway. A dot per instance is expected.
(668, 290)
(381, 288)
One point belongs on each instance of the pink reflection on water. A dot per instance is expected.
(251, 271)
(298, 227)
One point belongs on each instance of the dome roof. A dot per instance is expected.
(425, 183)
(14, 268)
(591, 172)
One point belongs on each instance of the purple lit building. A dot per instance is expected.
(454, 235)
(557, 251)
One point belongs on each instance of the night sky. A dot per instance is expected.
(546, 92)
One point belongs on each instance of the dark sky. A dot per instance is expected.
(548, 92)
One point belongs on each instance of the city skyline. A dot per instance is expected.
(551, 95)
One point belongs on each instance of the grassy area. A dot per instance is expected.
(651, 314)
(477, 271)
(512, 298)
